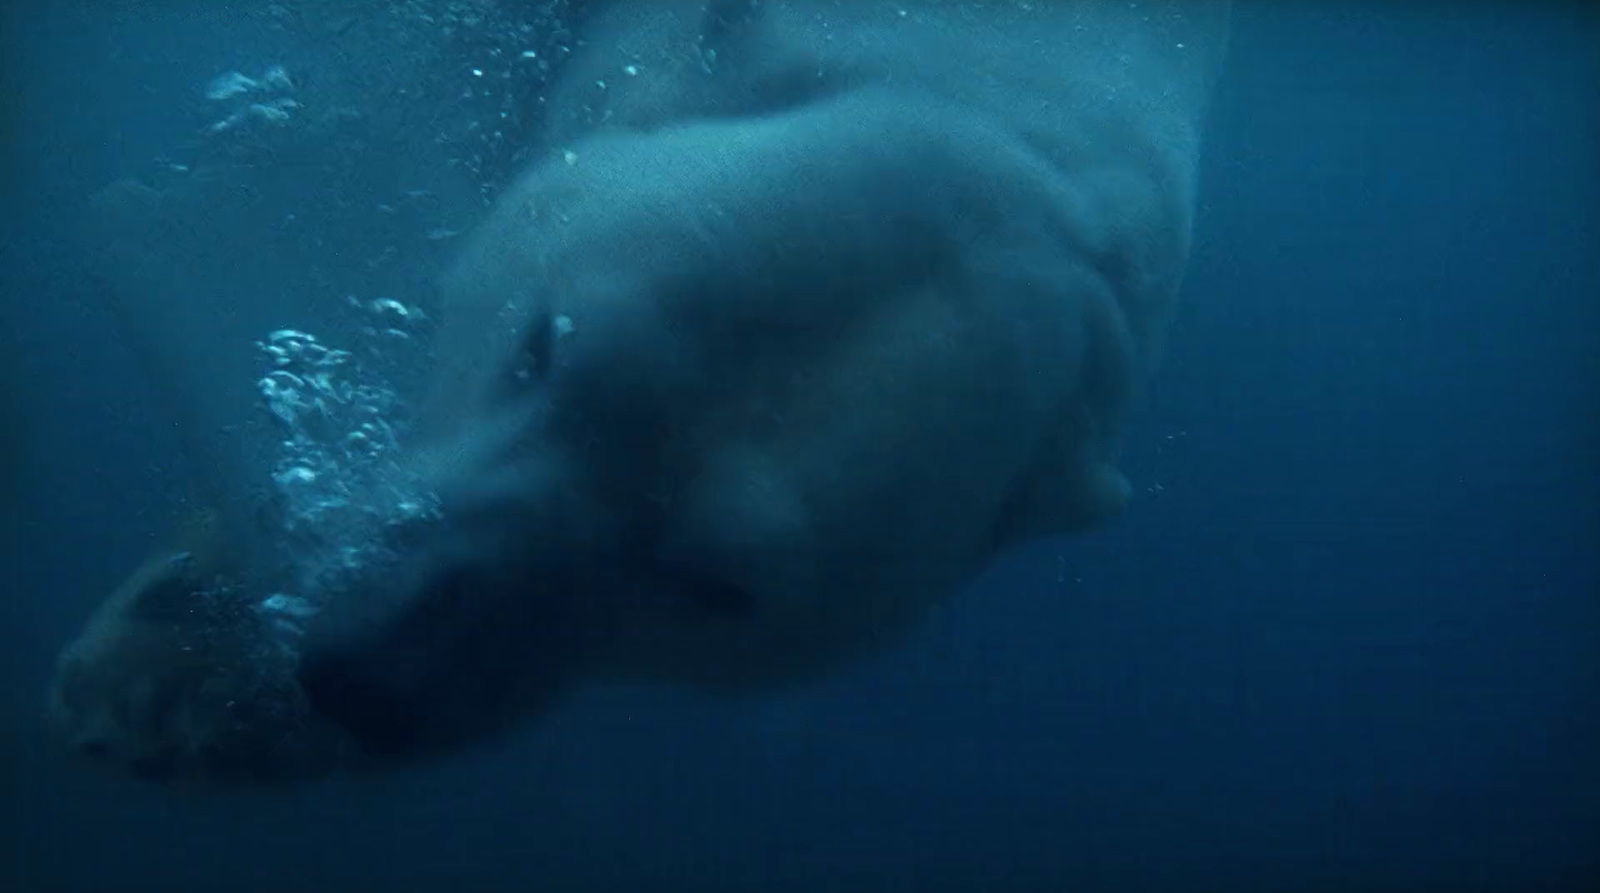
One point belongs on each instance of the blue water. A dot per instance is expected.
(1347, 638)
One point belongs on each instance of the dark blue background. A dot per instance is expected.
(1349, 637)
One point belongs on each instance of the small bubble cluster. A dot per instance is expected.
(249, 100)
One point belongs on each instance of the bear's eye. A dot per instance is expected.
(531, 365)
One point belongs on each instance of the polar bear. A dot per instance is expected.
(811, 309)
(816, 307)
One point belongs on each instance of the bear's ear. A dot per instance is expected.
(165, 590)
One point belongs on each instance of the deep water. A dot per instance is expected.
(1346, 638)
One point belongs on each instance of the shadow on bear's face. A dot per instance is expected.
(467, 634)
